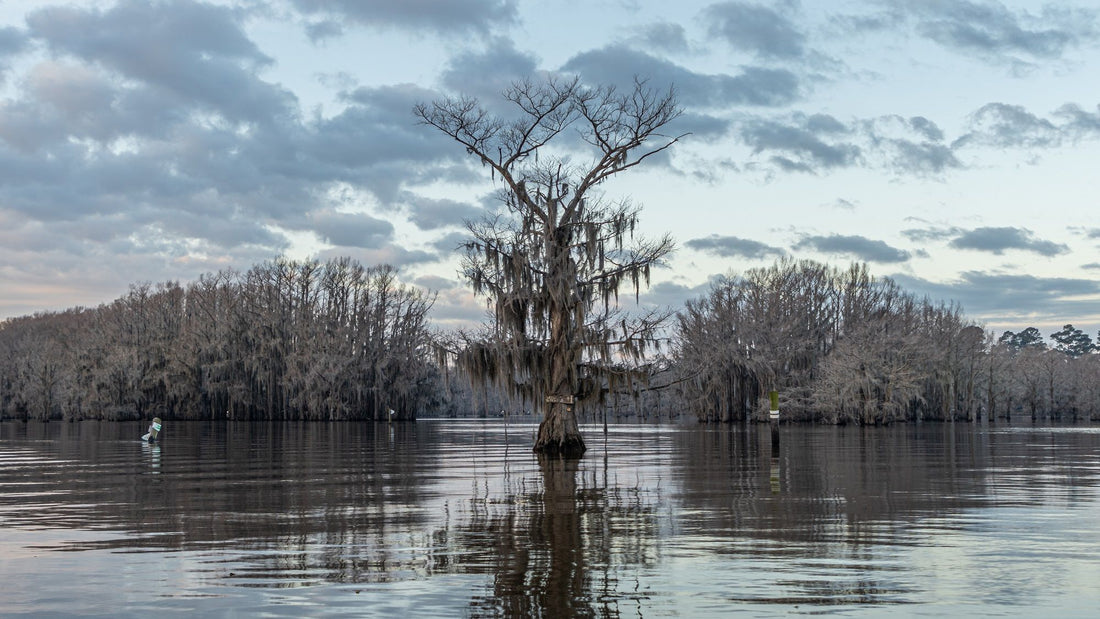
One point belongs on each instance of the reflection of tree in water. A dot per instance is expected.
(821, 519)
(822, 478)
(286, 505)
(555, 549)
(832, 502)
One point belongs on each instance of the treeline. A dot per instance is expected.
(284, 340)
(337, 340)
(843, 347)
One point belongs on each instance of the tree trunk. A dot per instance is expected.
(558, 432)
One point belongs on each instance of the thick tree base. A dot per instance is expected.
(566, 448)
(558, 444)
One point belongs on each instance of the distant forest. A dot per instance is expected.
(841, 346)
(335, 340)
(284, 340)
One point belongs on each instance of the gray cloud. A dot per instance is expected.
(1004, 126)
(702, 127)
(730, 246)
(377, 145)
(1008, 297)
(319, 31)
(663, 36)
(991, 31)
(12, 42)
(759, 86)
(933, 233)
(451, 242)
(202, 173)
(919, 158)
(909, 146)
(927, 128)
(997, 240)
(189, 147)
(351, 229)
(860, 247)
(433, 214)
(799, 142)
(912, 146)
(203, 55)
(754, 86)
(824, 123)
(756, 29)
(672, 294)
(486, 74)
(1009, 126)
(446, 17)
(377, 126)
(1079, 123)
(436, 282)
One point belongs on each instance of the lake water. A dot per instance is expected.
(446, 518)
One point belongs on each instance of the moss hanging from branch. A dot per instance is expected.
(553, 267)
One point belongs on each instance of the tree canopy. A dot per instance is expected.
(284, 340)
(1073, 342)
(554, 262)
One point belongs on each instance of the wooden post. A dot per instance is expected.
(775, 458)
(773, 413)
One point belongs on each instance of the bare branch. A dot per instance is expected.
(563, 255)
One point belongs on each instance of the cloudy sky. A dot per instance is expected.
(949, 144)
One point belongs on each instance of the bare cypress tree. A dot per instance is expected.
(553, 264)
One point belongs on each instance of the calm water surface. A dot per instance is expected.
(446, 518)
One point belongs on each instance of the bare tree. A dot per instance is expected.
(285, 340)
(838, 345)
(554, 263)
(872, 375)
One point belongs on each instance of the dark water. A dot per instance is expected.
(445, 519)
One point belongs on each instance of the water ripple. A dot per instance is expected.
(445, 519)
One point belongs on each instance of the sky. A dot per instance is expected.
(949, 144)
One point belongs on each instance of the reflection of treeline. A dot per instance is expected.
(293, 499)
(284, 340)
(842, 346)
(853, 489)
